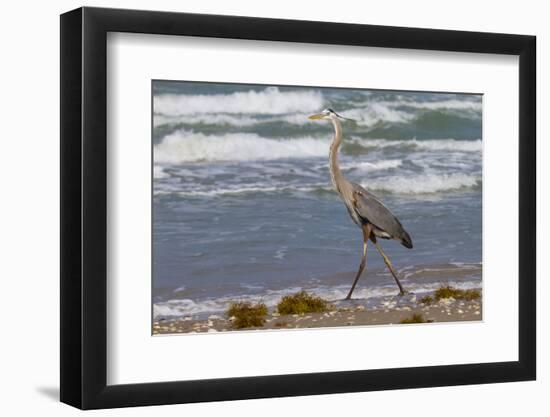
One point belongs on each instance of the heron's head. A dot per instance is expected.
(327, 114)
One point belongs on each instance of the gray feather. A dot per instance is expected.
(373, 211)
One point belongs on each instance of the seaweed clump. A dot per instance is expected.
(451, 292)
(301, 303)
(415, 318)
(244, 314)
(427, 299)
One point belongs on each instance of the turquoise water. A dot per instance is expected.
(243, 206)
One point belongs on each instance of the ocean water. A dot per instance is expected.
(243, 206)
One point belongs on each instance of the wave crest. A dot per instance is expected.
(185, 146)
(471, 105)
(373, 166)
(423, 184)
(424, 145)
(268, 101)
(186, 307)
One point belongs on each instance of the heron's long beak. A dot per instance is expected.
(317, 116)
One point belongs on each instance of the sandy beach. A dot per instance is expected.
(388, 310)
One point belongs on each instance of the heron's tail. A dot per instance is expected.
(406, 240)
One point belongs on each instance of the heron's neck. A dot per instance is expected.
(335, 173)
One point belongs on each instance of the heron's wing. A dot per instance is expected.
(372, 210)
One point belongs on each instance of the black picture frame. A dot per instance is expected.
(84, 207)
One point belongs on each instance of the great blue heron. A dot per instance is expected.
(373, 217)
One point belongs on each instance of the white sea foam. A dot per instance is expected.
(185, 146)
(268, 101)
(244, 189)
(440, 105)
(424, 183)
(373, 166)
(377, 112)
(241, 120)
(400, 111)
(428, 145)
(188, 307)
(236, 120)
(237, 109)
(449, 145)
(210, 119)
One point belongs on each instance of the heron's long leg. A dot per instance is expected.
(389, 265)
(366, 234)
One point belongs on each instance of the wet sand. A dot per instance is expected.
(388, 310)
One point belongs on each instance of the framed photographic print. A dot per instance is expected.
(258, 207)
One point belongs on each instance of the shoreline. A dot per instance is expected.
(377, 288)
(388, 311)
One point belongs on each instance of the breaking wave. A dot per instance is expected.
(209, 119)
(187, 146)
(426, 145)
(423, 184)
(373, 166)
(378, 112)
(250, 108)
(441, 105)
(268, 101)
(406, 184)
(187, 307)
